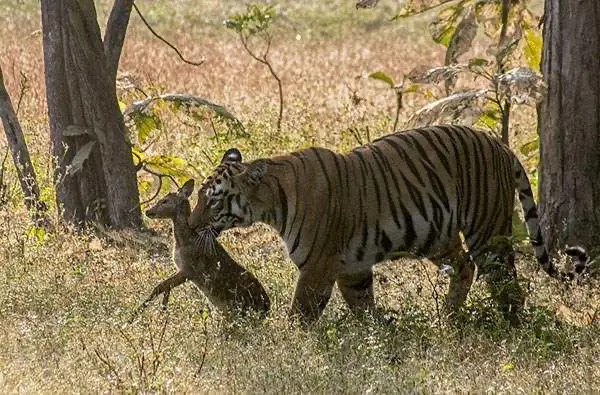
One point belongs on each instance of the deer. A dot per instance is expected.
(227, 285)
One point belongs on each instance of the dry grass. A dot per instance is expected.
(65, 299)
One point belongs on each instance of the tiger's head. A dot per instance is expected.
(225, 197)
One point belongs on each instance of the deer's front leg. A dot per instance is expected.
(165, 287)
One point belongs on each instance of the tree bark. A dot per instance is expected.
(569, 124)
(116, 28)
(83, 108)
(20, 155)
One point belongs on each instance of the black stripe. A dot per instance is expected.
(531, 213)
(409, 234)
(466, 185)
(372, 175)
(386, 243)
(525, 194)
(482, 211)
(326, 222)
(416, 197)
(437, 185)
(431, 236)
(400, 151)
(441, 155)
(297, 239)
(450, 223)
(284, 208)
(391, 171)
(438, 213)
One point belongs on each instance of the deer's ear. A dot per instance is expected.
(232, 155)
(186, 190)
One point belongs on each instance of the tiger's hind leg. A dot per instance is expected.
(461, 278)
(497, 265)
(460, 284)
(357, 290)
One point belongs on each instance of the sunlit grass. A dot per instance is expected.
(66, 300)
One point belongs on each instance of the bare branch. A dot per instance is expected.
(21, 158)
(164, 40)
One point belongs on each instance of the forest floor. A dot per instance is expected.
(66, 298)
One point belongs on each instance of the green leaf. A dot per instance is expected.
(490, 118)
(36, 232)
(256, 19)
(533, 48)
(442, 28)
(404, 12)
(412, 88)
(80, 157)
(478, 62)
(145, 124)
(462, 38)
(445, 36)
(168, 165)
(381, 76)
(530, 146)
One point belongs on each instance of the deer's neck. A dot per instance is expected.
(184, 235)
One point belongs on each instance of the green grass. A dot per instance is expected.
(66, 299)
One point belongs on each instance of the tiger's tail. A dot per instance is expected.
(582, 259)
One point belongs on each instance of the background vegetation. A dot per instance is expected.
(66, 299)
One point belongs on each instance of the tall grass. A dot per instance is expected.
(66, 299)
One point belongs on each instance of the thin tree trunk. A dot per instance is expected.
(20, 155)
(570, 124)
(82, 97)
(116, 28)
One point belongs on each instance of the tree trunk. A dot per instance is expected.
(20, 155)
(116, 28)
(569, 118)
(83, 112)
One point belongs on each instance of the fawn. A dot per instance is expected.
(227, 285)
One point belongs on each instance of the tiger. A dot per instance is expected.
(445, 193)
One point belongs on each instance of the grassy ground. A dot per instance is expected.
(66, 299)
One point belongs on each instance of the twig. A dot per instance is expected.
(264, 60)
(24, 87)
(204, 348)
(433, 7)
(164, 40)
(436, 295)
(398, 106)
(504, 109)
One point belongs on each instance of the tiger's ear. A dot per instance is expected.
(232, 155)
(253, 174)
(186, 190)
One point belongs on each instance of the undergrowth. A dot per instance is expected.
(67, 299)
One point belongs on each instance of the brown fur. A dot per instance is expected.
(226, 283)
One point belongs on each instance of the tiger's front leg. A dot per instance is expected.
(313, 291)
